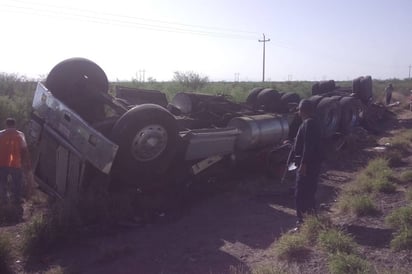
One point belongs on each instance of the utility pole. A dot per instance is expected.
(237, 76)
(410, 72)
(264, 47)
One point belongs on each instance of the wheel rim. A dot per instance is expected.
(149, 143)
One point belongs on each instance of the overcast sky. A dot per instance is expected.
(309, 40)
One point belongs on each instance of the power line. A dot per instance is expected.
(113, 19)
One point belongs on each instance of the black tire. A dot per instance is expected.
(137, 158)
(328, 114)
(269, 100)
(325, 87)
(252, 97)
(288, 100)
(77, 82)
(315, 89)
(350, 111)
(315, 100)
(365, 89)
(356, 86)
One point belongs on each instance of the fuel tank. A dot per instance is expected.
(260, 130)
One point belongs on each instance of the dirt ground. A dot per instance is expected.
(235, 229)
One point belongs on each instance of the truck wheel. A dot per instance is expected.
(147, 136)
(269, 99)
(287, 100)
(349, 113)
(315, 88)
(315, 99)
(252, 97)
(328, 113)
(365, 89)
(77, 82)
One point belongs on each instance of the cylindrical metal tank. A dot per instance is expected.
(260, 130)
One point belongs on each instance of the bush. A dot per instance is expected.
(406, 176)
(408, 194)
(384, 186)
(343, 263)
(291, 247)
(335, 241)
(400, 218)
(402, 240)
(5, 253)
(378, 168)
(359, 205)
(313, 226)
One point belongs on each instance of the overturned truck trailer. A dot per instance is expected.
(87, 137)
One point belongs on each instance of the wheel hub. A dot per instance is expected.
(149, 143)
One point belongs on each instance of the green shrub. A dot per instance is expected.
(384, 186)
(291, 247)
(378, 168)
(362, 184)
(406, 176)
(357, 204)
(402, 240)
(5, 253)
(401, 140)
(335, 240)
(277, 268)
(343, 263)
(408, 195)
(313, 226)
(400, 218)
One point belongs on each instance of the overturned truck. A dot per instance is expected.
(86, 136)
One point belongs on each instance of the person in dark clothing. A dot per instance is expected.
(388, 94)
(308, 158)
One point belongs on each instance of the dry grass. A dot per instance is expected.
(343, 263)
(336, 241)
(5, 253)
(291, 247)
(356, 204)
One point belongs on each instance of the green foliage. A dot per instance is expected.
(406, 176)
(402, 240)
(335, 240)
(277, 268)
(291, 247)
(400, 218)
(408, 194)
(313, 226)
(343, 263)
(5, 253)
(190, 79)
(357, 204)
(16, 94)
(378, 168)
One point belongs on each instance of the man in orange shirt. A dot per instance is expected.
(14, 158)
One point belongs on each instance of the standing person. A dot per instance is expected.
(410, 100)
(308, 158)
(388, 93)
(14, 158)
